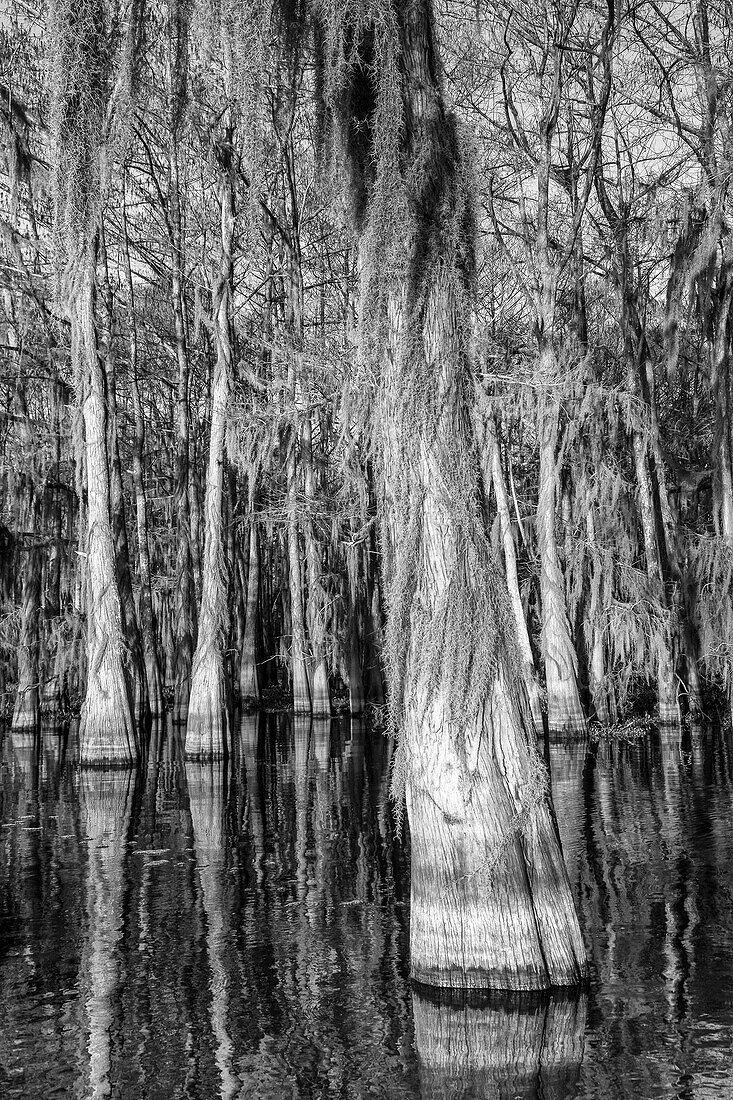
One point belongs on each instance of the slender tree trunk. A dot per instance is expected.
(249, 680)
(147, 618)
(564, 711)
(356, 597)
(208, 727)
(315, 608)
(107, 731)
(493, 474)
(27, 711)
(597, 670)
(301, 684)
(51, 701)
(184, 622)
(130, 629)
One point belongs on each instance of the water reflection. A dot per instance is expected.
(241, 930)
(105, 806)
(498, 1047)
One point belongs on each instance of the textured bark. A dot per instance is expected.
(145, 605)
(52, 651)
(564, 710)
(597, 664)
(490, 901)
(107, 731)
(301, 684)
(207, 730)
(130, 629)
(249, 680)
(315, 607)
(184, 622)
(27, 710)
(494, 475)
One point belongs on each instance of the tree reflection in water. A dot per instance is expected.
(241, 930)
(105, 806)
(501, 1047)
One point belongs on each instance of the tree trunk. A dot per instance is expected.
(27, 710)
(147, 618)
(249, 680)
(356, 597)
(184, 622)
(597, 670)
(208, 727)
(564, 711)
(490, 901)
(315, 608)
(107, 731)
(301, 684)
(493, 474)
(130, 630)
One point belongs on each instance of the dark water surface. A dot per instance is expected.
(186, 931)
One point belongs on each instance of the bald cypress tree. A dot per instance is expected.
(92, 76)
(491, 903)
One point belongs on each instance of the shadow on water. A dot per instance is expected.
(197, 930)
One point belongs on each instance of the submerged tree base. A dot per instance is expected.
(106, 731)
(208, 723)
(491, 905)
(26, 715)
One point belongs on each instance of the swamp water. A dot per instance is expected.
(181, 931)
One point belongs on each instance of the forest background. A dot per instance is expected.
(190, 403)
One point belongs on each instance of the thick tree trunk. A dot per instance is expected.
(249, 680)
(107, 731)
(490, 900)
(208, 726)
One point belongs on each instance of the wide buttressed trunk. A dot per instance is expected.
(490, 900)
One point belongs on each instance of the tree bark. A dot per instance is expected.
(184, 622)
(147, 618)
(564, 711)
(249, 680)
(208, 726)
(315, 607)
(107, 731)
(490, 901)
(494, 475)
(130, 629)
